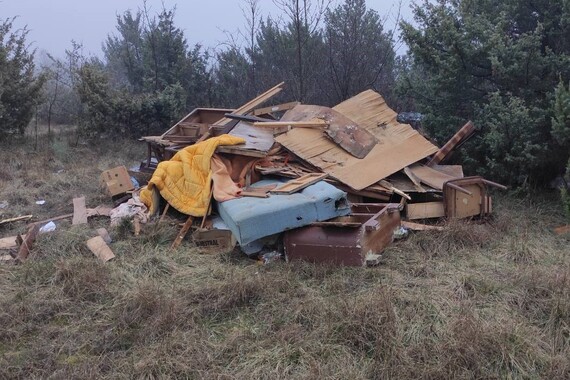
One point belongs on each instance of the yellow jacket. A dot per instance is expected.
(185, 180)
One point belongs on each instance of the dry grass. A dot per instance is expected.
(480, 300)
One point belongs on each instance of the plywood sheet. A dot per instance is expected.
(399, 144)
(431, 177)
(256, 138)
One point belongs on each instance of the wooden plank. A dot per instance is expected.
(292, 124)
(425, 210)
(415, 180)
(79, 211)
(195, 115)
(28, 242)
(16, 219)
(9, 242)
(248, 107)
(276, 108)
(464, 133)
(182, 233)
(388, 185)
(430, 177)
(299, 183)
(100, 249)
(420, 227)
(455, 171)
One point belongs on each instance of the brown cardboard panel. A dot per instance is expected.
(116, 180)
(100, 249)
(214, 239)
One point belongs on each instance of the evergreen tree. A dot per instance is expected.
(20, 87)
(493, 62)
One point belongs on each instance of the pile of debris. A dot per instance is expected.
(328, 185)
(331, 184)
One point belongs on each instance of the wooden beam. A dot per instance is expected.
(182, 232)
(420, 227)
(464, 133)
(299, 184)
(317, 123)
(28, 242)
(276, 108)
(16, 219)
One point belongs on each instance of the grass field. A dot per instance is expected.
(476, 301)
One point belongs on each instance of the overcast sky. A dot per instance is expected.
(54, 23)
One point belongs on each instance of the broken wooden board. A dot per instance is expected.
(345, 132)
(430, 176)
(461, 136)
(299, 184)
(317, 123)
(79, 211)
(28, 242)
(455, 171)
(183, 231)
(421, 227)
(399, 144)
(425, 210)
(10, 242)
(100, 249)
(276, 108)
(16, 219)
(258, 140)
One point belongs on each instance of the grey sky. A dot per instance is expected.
(54, 23)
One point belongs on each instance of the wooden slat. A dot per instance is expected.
(293, 124)
(16, 219)
(420, 227)
(464, 133)
(183, 231)
(299, 183)
(276, 108)
(430, 177)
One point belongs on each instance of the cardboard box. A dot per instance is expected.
(214, 239)
(116, 181)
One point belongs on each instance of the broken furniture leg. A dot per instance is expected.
(182, 232)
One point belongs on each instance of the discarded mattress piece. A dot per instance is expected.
(355, 240)
(253, 218)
